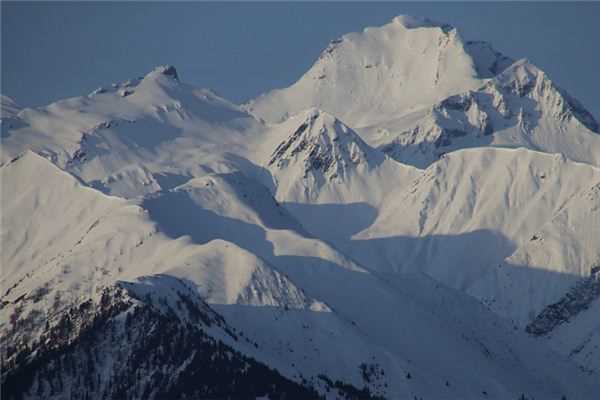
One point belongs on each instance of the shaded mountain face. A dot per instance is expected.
(495, 198)
(394, 218)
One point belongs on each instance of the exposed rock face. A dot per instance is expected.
(575, 301)
(321, 146)
(168, 70)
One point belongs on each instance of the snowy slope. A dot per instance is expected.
(123, 239)
(263, 277)
(383, 72)
(521, 107)
(319, 269)
(34, 193)
(326, 175)
(579, 338)
(493, 199)
(136, 137)
(414, 89)
(46, 262)
(556, 256)
(151, 339)
(314, 157)
(550, 284)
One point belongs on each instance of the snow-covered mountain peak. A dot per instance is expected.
(154, 87)
(526, 80)
(522, 90)
(321, 145)
(123, 137)
(315, 157)
(520, 107)
(153, 84)
(383, 72)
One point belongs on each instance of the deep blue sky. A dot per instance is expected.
(56, 50)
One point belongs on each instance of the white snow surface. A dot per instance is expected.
(372, 76)
(161, 133)
(521, 107)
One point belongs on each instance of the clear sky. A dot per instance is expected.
(56, 50)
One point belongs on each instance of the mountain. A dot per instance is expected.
(124, 244)
(321, 149)
(125, 334)
(565, 245)
(323, 171)
(416, 217)
(319, 158)
(381, 73)
(136, 137)
(396, 86)
(258, 274)
(520, 107)
(564, 252)
(494, 198)
(496, 102)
